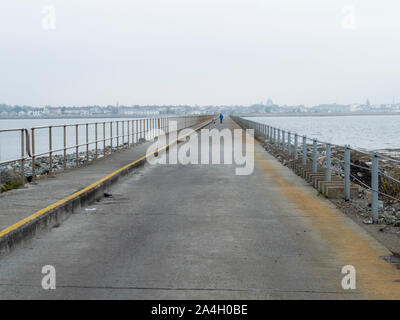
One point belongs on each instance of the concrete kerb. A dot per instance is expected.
(26, 229)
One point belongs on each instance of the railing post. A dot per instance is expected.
(347, 173)
(33, 157)
(272, 135)
(128, 135)
(123, 133)
(104, 138)
(289, 147)
(96, 138)
(111, 137)
(50, 150)
(304, 158)
(76, 145)
(65, 146)
(141, 128)
(279, 138)
(375, 186)
(283, 139)
(328, 162)
(315, 164)
(87, 142)
(117, 135)
(133, 132)
(137, 132)
(22, 162)
(296, 145)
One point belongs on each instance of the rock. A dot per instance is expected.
(368, 221)
(8, 175)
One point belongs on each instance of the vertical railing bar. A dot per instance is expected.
(65, 146)
(50, 151)
(76, 145)
(123, 133)
(328, 163)
(315, 165)
(96, 138)
(87, 142)
(375, 186)
(111, 138)
(33, 157)
(117, 135)
(128, 133)
(104, 138)
(22, 161)
(347, 173)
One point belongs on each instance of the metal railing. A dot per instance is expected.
(97, 139)
(332, 157)
(25, 149)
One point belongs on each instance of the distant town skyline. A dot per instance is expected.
(7, 111)
(267, 102)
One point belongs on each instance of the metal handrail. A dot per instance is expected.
(277, 137)
(132, 131)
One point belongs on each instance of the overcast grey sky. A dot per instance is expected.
(199, 51)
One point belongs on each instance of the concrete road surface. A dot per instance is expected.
(202, 232)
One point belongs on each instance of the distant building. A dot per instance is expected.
(35, 113)
(355, 107)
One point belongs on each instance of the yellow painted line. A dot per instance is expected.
(37, 214)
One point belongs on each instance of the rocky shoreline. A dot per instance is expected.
(389, 209)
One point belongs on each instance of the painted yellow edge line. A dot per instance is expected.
(40, 212)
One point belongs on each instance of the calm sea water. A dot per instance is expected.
(10, 142)
(378, 132)
(363, 132)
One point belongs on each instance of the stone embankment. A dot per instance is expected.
(389, 209)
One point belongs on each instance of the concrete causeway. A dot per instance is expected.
(194, 232)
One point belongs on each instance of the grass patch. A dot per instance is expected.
(9, 185)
